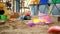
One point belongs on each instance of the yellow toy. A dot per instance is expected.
(6, 12)
(42, 20)
(36, 20)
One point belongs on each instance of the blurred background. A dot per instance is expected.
(23, 5)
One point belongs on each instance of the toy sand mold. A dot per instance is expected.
(4, 13)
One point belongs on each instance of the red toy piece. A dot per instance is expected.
(54, 30)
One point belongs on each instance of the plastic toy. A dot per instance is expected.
(3, 17)
(35, 21)
(54, 30)
(4, 13)
(1, 12)
(31, 24)
(42, 19)
(38, 21)
(4, 8)
(45, 18)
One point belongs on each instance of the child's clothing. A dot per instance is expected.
(27, 17)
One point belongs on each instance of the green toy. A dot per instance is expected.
(3, 17)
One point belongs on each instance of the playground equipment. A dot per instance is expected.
(53, 8)
(4, 13)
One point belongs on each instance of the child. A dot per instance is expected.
(27, 15)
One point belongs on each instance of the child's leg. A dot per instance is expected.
(34, 10)
(43, 9)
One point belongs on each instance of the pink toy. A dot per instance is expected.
(49, 20)
(43, 19)
(30, 24)
(46, 18)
